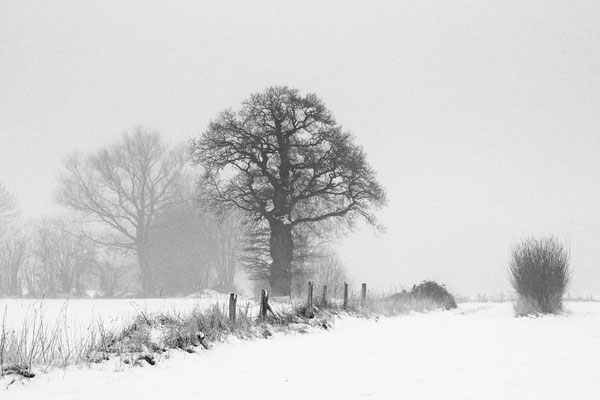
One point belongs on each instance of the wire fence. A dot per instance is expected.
(254, 310)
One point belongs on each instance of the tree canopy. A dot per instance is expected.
(284, 159)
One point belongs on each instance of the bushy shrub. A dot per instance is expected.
(435, 292)
(539, 273)
(402, 303)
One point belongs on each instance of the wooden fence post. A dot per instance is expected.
(264, 304)
(363, 295)
(309, 313)
(345, 296)
(232, 306)
(324, 298)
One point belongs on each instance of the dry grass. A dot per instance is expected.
(36, 345)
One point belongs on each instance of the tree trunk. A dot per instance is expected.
(146, 276)
(282, 252)
(65, 282)
(15, 289)
(51, 286)
(29, 280)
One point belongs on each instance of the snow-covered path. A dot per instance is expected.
(477, 352)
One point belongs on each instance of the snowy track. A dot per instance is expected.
(477, 352)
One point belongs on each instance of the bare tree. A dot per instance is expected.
(8, 205)
(63, 256)
(283, 159)
(31, 277)
(181, 249)
(110, 271)
(328, 270)
(123, 187)
(15, 252)
(227, 229)
(14, 246)
(194, 248)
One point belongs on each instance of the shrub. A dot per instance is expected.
(402, 303)
(435, 292)
(539, 273)
(329, 271)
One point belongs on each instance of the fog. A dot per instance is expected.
(480, 118)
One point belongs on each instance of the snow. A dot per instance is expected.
(479, 351)
(81, 314)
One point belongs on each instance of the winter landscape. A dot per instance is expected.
(299, 200)
(477, 351)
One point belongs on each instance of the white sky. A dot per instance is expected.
(481, 117)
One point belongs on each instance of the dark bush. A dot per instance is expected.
(430, 290)
(539, 273)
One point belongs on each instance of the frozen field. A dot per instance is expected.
(476, 352)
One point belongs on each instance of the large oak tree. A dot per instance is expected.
(284, 159)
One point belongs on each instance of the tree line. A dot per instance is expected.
(264, 188)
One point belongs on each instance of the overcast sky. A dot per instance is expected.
(482, 118)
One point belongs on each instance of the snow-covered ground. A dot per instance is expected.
(80, 314)
(476, 352)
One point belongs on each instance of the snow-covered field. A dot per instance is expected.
(476, 352)
(80, 314)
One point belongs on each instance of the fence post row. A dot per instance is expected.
(232, 306)
(309, 313)
(345, 296)
(363, 295)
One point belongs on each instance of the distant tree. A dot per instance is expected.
(123, 187)
(63, 256)
(180, 251)
(194, 248)
(14, 246)
(8, 205)
(284, 160)
(31, 278)
(227, 229)
(15, 252)
(328, 270)
(110, 272)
